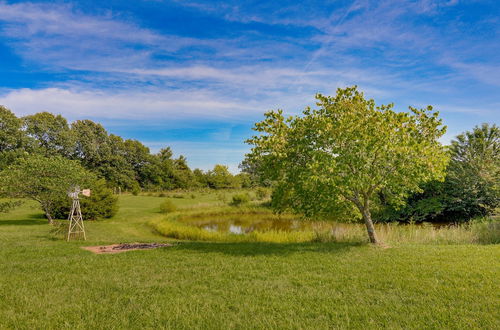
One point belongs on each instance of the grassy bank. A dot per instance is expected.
(185, 225)
(49, 283)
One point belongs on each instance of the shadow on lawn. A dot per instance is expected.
(32, 219)
(256, 249)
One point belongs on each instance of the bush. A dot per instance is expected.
(240, 199)
(167, 207)
(162, 194)
(262, 193)
(136, 190)
(102, 203)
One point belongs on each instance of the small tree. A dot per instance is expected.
(45, 180)
(341, 155)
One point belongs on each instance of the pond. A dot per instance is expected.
(243, 224)
(264, 226)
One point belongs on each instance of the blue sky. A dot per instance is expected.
(196, 75)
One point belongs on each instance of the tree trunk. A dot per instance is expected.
(49, 217)
(367, 217)
(364, 208)
(47, 214)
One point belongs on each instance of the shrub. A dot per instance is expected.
(240, 199)
(262, 193)
(162, 194)
(167, 207)
(136, 190)
(102, 203)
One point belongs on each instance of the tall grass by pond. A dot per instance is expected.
(256, 224)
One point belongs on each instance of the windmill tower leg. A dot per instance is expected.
(76, 220)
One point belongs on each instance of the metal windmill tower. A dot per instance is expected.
(76, 227)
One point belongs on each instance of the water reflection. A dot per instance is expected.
(243, 224)
(246, 223)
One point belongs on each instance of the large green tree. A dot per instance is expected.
(473, 179)
(339, 156)
(50, 134)
(45, 180)
(12, 138)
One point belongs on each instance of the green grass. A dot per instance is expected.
(49, 283)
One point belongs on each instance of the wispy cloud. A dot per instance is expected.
(58, 35)
(139, 105)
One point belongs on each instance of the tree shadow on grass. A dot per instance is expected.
(259, 248)
(32, 219)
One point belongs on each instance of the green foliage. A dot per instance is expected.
(242, 180)
(45, 180)
(262, 193)
(7, 206)
(221, 178)
(136, 190)
(337, 158)
(471, 188)
(49, 134)
(12, 139)
(124, 164)
(252, 168)
(240, 199)
(10, 130)
(167, 206)
(473, 180)
(101, 204)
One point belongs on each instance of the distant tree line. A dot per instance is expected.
(124, 163)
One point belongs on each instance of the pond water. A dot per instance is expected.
(244, 224)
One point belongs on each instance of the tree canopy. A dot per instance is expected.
(339, 156)
(472, 185)
(45, 180)
(124, 163)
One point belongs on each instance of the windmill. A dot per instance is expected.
(75, 218)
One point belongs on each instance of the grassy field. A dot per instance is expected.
(46, 282)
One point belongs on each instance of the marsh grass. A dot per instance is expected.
(187, 225)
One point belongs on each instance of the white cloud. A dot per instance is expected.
(173, 105)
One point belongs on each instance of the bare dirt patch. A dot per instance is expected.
(117, 248)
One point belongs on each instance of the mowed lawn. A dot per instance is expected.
(49, 283)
